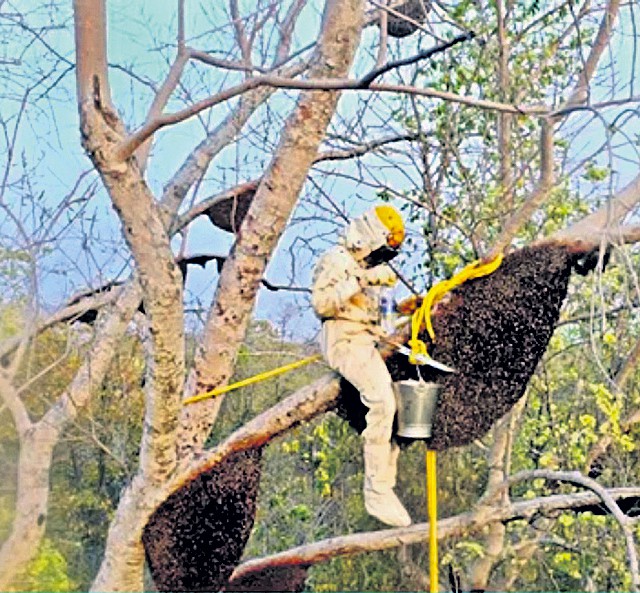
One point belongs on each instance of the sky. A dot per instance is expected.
(136, 30)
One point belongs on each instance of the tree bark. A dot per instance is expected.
(270, 210)
(498, 460)
(32, 497)
(145, 231)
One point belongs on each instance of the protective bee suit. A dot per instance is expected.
(346, 293)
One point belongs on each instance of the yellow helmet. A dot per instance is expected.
(392, 220)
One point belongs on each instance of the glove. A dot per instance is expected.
(409, 305)
(381, 275)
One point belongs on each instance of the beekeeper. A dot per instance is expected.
(346, 294)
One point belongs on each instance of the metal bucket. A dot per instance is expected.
(416, 403)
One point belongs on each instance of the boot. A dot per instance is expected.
(379, 479)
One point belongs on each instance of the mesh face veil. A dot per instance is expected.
(393, 227)
(375, 236)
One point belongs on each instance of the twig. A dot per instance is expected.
(367, 79)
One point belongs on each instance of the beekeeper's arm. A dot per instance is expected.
(334, 284)
(338, 282)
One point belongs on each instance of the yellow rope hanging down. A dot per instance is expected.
(251, 380)
(432, 507)
(422, 315)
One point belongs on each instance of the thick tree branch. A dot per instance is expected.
(73, 310)
(458, 526)
(250, 186)
(145, 232)
(38, 442)
(302, 406)
(499, 462)
(199, 160)
(14, 404)
(578, 97)
(606, 219)
(383, 41)
(580, 93)
(91, 36)
(539, 194)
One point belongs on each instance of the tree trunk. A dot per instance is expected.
(38, 440)
(32, 497)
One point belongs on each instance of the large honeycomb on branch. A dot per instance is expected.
(196, 537)
(493, 330)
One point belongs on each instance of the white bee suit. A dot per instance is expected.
(346, 296)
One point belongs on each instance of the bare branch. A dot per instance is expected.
(578, 96)
(606, 219)
(241, 38)
(538, 196)
(160, 101)
(198, 161)
(72, 311)
(581, 91)
(384, 38)
(144, 229)
(91, 56)
(498, 462)
(210, 60)
(250, 186)
(181, 28)
(302, 406)
(268, 214)
(37, 444)
(14, 404)
(286, 30)
(128, 146)
(367, 79)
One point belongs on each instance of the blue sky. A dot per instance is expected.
(136, 30)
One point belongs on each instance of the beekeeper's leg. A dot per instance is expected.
(355, 356)
(394, 453)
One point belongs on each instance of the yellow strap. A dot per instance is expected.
(422, 315)
(251, 380)
(432, 507)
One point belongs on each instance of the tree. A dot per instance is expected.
(266, 56)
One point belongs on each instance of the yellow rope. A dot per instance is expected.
(422, 315)
(432, 507)
(251, 380)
